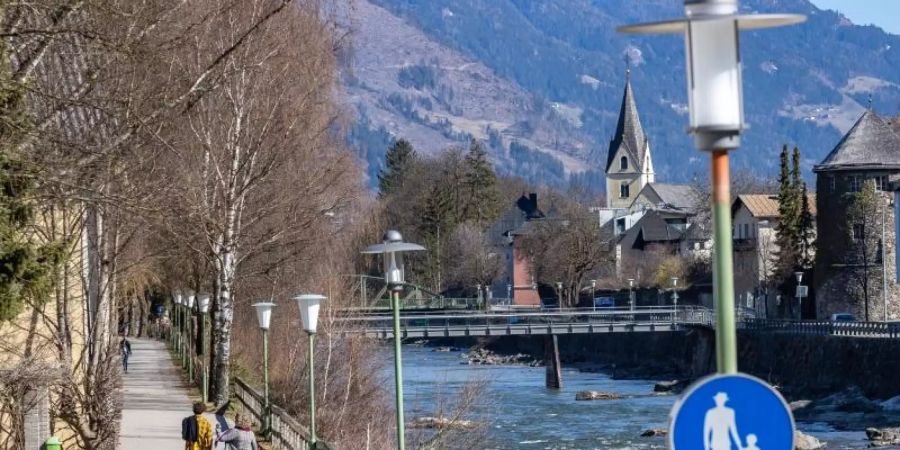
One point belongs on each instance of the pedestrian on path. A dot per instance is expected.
(240, 437)
(196, 430)
(125, 349)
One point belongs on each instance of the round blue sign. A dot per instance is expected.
(731, 412)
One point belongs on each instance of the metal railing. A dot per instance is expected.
(286, 432)
(890, 330)
(547, 321)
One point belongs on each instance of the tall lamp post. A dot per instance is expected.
(631, 302)
(713, 67)
(309, 316)
(189, 335)
(264, 316)
(179, 343)
(203, 304)
(392, 248)
(559, 294)
(799, 276)
(674, 299)
(173, 323)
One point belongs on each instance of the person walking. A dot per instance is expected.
(125, 350)
(196, 432)
(240, 437)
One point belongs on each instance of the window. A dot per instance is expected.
(832, 183)
(623, 163)
(620, 226)
(855, 183)
(746, 231)
(624, 190)
(859, 230)
(881, 183)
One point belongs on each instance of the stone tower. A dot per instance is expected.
(869, 152)
(628, 166)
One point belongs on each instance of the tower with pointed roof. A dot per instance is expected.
(869, 152)
(629, 166)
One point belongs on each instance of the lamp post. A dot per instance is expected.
(710, 29)
(509, 294)
(559, 294)
(308, 304)
(479, 300)
(631, 302)
(173, 320)
(594, 294)
(178, 321)
(203, 304)
(392, 248)
(799, 276)
(264, 316)
(189, 335)
(674, 299)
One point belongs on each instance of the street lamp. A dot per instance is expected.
(631, 302)
(179, 322)
(799, 276)
(509, 294)
(392, 248)
(479, 300)
(674, 299)
(264, 316)
(559, 293)
(308, 304)
(594, 294)
(203, 304)
(710, 31)
(189, 339)
(173, 320)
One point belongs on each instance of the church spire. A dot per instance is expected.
(629, 132)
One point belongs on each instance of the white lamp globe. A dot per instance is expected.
(203, 303)
(264, 314)
(189, 299)
(309, 310)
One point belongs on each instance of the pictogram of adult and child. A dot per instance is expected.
(720, 428)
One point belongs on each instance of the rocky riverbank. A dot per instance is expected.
(485, 357)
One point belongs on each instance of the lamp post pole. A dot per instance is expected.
(799, 276)
(710, 29)
(674, 299)
(594, 295)
(308, 304)
(264, 316)
(631, 299)
(391, 249)
(398, 370)
(191, 344)
(203, 305)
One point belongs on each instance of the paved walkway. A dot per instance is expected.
(155, 399)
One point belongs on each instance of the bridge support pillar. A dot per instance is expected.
(551, 360)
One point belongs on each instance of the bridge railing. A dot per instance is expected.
(412, 319)
(888, 330)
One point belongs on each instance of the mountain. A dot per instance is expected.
(541, 82)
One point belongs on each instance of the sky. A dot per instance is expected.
(883, 13)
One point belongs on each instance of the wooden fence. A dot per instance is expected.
(287, 433)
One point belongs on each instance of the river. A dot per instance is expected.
(522, 414)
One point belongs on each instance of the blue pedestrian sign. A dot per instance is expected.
(731, 412)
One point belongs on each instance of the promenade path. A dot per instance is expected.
(156, 399)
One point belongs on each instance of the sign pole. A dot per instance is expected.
(723, 276)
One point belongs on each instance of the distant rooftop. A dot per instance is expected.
(764, 206)
(872, 143)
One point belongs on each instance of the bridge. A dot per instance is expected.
(511, 322)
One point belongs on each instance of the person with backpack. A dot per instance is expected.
(240, 437)
(196, 431)
(125, 349)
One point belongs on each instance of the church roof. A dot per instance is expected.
(629, 133)
(872, 143)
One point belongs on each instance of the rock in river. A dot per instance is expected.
(654, 432)
(594, 395)
(674, 386)
(443, 423)
(882, 437)
(803, 441)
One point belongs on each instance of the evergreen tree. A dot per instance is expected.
(437, 223)
(483, 201)
(806, 230)
(26, 263)
(399, 159)
(786, 232)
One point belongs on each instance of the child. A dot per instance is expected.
(751, 442)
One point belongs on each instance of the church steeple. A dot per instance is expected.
(629, 132)
(629, 166)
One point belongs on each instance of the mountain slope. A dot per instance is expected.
(548, 76)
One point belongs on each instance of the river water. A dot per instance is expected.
(522, 414)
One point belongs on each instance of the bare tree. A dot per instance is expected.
(475, 260)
